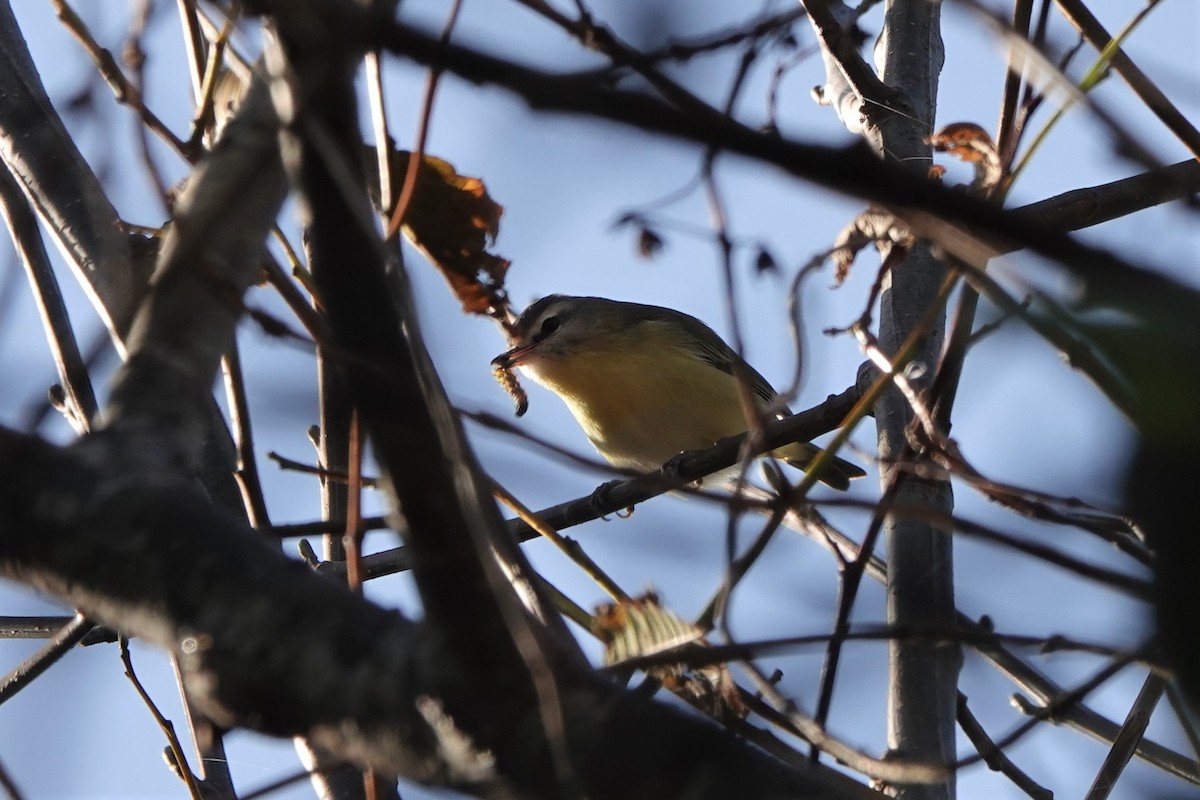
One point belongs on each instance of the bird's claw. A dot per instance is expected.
(672, 468)
(601, 500)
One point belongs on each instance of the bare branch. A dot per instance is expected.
(1146, 90)
(63, 189)
(80, 400)
(1131, 733)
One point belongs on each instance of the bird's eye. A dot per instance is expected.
(549, 326)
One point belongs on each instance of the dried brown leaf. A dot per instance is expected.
(452, 220)
(971, 144)
(875, 226)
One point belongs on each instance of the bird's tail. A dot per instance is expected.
(836, 474)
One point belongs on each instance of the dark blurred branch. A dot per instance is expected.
(1007, 130)
(1091, 28)
(157, 560)
(684, 50)
(1131, 734)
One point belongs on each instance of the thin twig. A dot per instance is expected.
(376, 95)
(849, 581)
(685, 50)
(1007, 132)
(700, 655)
(325, 474)
(126, 92)
(568, 546)
(719, 220)
(243, 436)
(994, 757)
(194, 44)
(167, 727)
(135, 57)
(1126, 142)
(597, 37)
(1060, 703)
(9, 785)
(1079, 354)
(1184, 714)
(742, 565)
(28, 670)
(851, 575)
(891, 771)
(1134, 587)
(1032, 680)
(352, 537)
(209, 74)
(417, 156)
(1127, 741)
(795, 323)
(311, 319)
(1121, 532)
(72, 369)
(1158, 103)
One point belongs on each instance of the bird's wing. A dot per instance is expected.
(712, 349)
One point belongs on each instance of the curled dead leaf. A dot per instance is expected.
(452, 220)
(875, 226)
(971, 144)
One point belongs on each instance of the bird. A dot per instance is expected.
(645, 382)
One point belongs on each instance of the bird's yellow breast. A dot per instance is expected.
(643, 398)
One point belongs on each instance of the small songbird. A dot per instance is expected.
(644, 382)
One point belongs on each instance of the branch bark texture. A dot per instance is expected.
(923, 677)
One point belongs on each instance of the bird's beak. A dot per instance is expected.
(515, 356)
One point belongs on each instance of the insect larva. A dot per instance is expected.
(508, 380)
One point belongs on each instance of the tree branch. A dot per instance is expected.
(63, 189)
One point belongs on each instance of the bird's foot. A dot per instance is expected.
(601, 501)
(673, 467)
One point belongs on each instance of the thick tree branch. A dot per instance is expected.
(1092, 205)
(262, 642)
(267, 644)
(209, 258)
(63, 189)
(113, 267)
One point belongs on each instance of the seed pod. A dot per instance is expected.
(508, 379)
